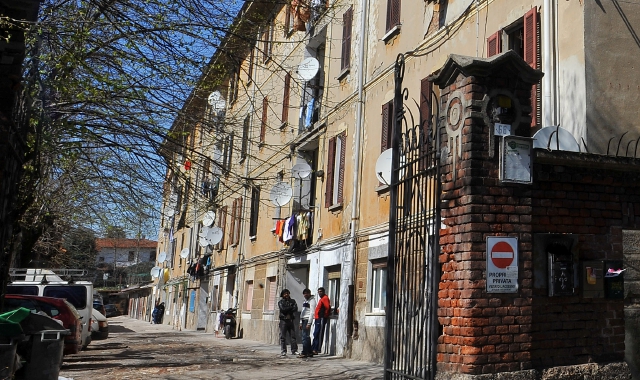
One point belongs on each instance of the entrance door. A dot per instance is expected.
(203, 309)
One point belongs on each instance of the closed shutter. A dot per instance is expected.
(250, 70)
(494, 44)
(531, 35)
(238, 220)
(263, 123)
(248, 296)
(387, 118)
(287, 20)
(245, 137)
(222, 223)
(393, 13)
(347, 23)
(343, 150)
(285, 98)
(425, 119)
(271, 298)
(331, 160)
(232, 229)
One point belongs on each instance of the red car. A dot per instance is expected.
(56, 308)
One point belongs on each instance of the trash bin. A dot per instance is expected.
(8, 347)
(43, 348)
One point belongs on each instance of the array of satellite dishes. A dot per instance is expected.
(383, 166)
(281, 194)
(209, 218)
(308, 68)
(555, 138)
(209, 236)
(156, 271)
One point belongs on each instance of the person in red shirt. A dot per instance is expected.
(322, 313)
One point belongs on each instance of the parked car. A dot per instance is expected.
(111, 311)
(97, 305)
(56, 308)
(99, 326)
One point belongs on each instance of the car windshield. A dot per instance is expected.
(76, 295)
(22, 289)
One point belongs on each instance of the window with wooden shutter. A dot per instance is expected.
(347, 23)
(270, 305)
(263, 122)
(342, 139)
(248, 296)
(222, 223)
(494, 44)
(328, 195)
(285, 98)
(287, 20)
(232, 226)
(250, 70)
(255, 209)
(238, 220)
(267, 41)
(387, 126)
(393, 14)
(425, 120)
(245, 137)
(531, 36)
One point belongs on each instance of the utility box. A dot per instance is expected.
(561, 270)
(613, 279)
(592, 277)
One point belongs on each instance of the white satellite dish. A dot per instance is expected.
(214, 236)
(301, 170)
(209, 218)
(170, 212)
(308, 68)
(204, 231)
(281, 194)
(383, 166)
(155, 272)
(202, 241)
(215, 100)
(162, 257)
(555, 138)
(184, 253)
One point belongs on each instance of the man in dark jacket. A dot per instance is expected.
(288, 307)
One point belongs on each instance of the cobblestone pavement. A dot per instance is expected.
(140, 350)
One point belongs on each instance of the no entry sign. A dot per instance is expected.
(502, 264)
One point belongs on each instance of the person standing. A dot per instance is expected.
(306, 318)
(288, 307)
(321, 315)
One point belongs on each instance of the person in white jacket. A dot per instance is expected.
(306, 319)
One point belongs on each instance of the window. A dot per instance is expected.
(288, 21)
(378, 286)
(267, 38)
(234, 83)
(270, 299)
(263, 122)
(248, 295)
(152, 256)
(347, 23)
(425, 120)
(333, 286)
(387, 126)
(222, 223)
(132, 256)
(236, 216)
(521, 37)
(285, 99)
(393, 14)
(250, 69)
(335, 170)
(227, 152)
(245, 137)
(255, 208)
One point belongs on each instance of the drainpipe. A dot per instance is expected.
(355, 199)
(548, 97)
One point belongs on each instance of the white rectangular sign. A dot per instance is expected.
(502, 129)
(515, 159)
(502, 264)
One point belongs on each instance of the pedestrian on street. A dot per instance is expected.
(158, 313)
(288, 307)
(306, 318)
(321, 317)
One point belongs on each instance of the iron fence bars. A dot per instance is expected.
(413, 273)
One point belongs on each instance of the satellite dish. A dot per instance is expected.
(301, 170)
(204, 231)
(184, 253)
(170, 212)
(203, 242)
(555, 138)
(308, 68)
(383, 166)
(215, 100)
(162, 257)
(209, 218)
(281, 194)
(214, 236)
(155, 272)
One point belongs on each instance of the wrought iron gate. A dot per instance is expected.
(414, 223)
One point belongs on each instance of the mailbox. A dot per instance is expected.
(561, 271)
(614, 279)
(592, 276)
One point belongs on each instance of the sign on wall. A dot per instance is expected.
(502, 264)
(515, 159)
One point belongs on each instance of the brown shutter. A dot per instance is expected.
(347, 23)
(222, 223)
(531, 56)
(343, 150)
(238, 220)
(331, 160)
(393, 13)
(285, 98)
(263, 125)
(494, 44)
(425, 119)
(387, 119)
(232, 229)
(250, 71)
(287, 20)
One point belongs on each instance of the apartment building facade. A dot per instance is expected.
(288, 125)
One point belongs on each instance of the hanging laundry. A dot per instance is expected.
(289, 227)
(303, 226)
(308, 117)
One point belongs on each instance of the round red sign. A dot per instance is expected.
(502, 254)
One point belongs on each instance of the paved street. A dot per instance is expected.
(139, 350)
